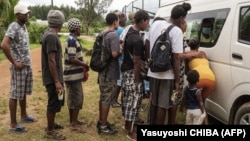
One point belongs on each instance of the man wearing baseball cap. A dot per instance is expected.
(15, 46)
(22, 9)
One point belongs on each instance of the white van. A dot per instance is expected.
(228, 53)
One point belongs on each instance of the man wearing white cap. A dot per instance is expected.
(15, 46)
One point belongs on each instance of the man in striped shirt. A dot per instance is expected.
(74, 67)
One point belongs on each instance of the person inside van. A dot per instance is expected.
(207, 78)
(206, 31)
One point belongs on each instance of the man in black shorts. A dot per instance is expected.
(52, 70)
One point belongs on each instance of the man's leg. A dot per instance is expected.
(115, 102)
(153, 111)
(75, 113)
(50, 120)
(160, 116)
(70, 116)
(22, 104)
(131, 130)
(104, 114)
(172, 115)
(12, 108)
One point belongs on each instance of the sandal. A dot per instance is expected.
(29, 119)
(55, 135)
(56, 127)
(132, 138)
(18, 129)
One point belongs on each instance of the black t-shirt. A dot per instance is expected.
(133, 44)
(51, 43)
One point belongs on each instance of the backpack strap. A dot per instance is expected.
(103, 34)
(166, 31)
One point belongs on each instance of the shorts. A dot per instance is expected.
(54, 104)
(75, 95)
(207, 87)
(21, 82)
(132, 95)
(195, 117)
(107, 87)
(161, 92)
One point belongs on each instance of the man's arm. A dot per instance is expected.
(53, 71)
(76, 61)
(147, 49)
(6, 50)
(176, 69)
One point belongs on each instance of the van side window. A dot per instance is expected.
(244, 29)
(206, 26)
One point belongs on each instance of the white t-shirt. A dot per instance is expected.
(176, 37)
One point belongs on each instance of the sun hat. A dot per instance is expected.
(22, 9)
(74, 24)
(55, 18)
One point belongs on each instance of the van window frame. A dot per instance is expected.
(241, 19)
(194, 21)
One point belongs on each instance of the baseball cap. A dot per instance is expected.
(22, 9)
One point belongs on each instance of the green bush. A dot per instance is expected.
(35, 32)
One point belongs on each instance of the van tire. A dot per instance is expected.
(242, 115)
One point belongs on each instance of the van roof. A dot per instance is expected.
(197, 5)
(170, 2)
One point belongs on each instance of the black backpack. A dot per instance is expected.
(161, 53)
(101, 54)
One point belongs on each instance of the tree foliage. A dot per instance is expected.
(6, 15)
(92, 11)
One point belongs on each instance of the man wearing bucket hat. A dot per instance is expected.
(74, 67)
(15, 46)
(52, 70)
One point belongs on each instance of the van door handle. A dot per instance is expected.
(237, 56)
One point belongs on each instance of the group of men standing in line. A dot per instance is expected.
(129, 45)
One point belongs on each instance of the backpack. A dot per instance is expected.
(161, 53)
(100, 53)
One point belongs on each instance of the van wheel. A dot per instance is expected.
(242, 116)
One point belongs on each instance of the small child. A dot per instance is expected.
(195, 110)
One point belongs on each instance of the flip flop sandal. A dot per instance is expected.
(18, 129)
(29, 119)
(58, 126)
(131, 138)
(56, 136)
